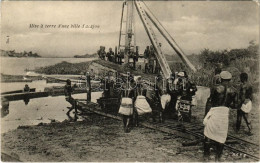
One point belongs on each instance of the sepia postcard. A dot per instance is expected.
(129, 81)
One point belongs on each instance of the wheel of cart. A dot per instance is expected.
(184, 110)
(109, 104)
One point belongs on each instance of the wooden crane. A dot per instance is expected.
(127, 23)
(145, 15)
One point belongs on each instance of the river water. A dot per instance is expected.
(40, 109)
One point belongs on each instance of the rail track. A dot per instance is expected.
(189, 131)
(241, 143)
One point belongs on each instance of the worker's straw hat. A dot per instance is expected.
(225, 75)
(136, 78)
(181, 74)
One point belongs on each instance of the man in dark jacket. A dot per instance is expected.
(185, 87)
(185, 90)
(110, 55)
(101, 52)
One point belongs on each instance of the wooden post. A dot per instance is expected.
(88, 87)
(76, 110)
(116, 55)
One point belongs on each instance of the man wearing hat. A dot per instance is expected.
(185, 89)
(223, 97)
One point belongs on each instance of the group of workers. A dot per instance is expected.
(140, 98)
(151, 63)
(110, 55)
(117, 57)
(224, 96)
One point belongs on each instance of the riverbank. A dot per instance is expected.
(100, 67)
(64, 68)
(19, 78)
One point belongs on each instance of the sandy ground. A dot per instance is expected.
(95, 139)
(99, 139)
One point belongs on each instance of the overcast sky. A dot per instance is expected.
(193, 25)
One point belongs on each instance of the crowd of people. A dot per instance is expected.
(139, 98)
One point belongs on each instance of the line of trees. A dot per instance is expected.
(234, 60)
(12, 53)
(225, 57)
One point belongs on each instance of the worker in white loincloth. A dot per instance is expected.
(223, 97)
(126, 107)
(141, 106)
(164, 92)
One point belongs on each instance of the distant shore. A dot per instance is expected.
(18, 78)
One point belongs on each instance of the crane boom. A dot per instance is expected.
(168, 38)
(158, 52)
(127, 31)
